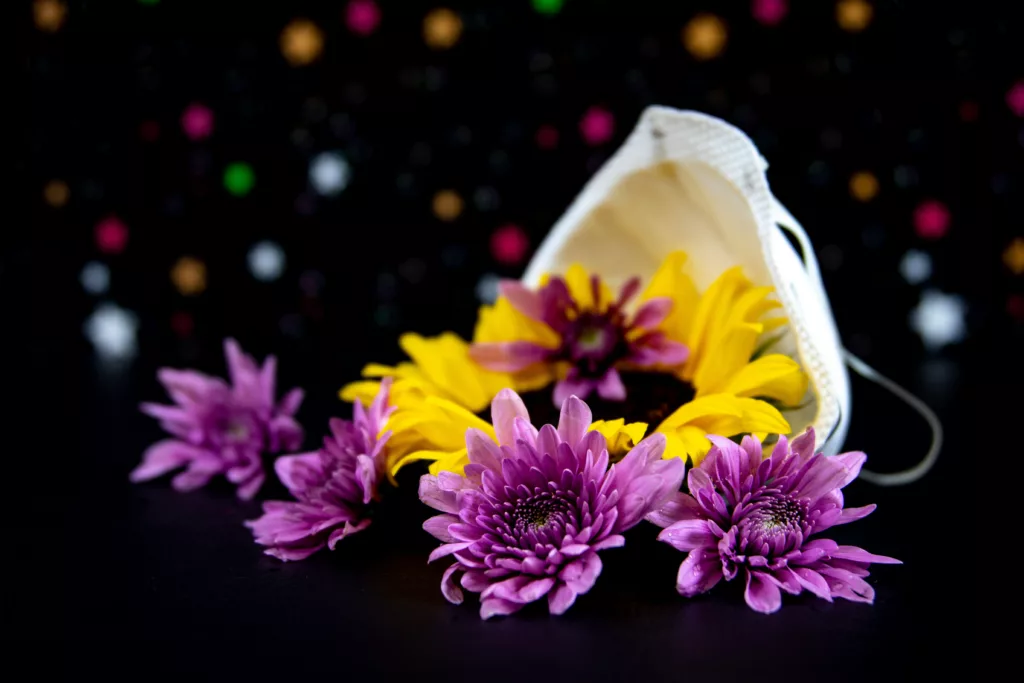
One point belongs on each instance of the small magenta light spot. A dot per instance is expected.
(931, 219)
(183, 324)
(547, 137)
(197, 121)
(509, 244)
(149, 131)
(597, 126)
(111, 235)
(769, 12)
(362, 17)
(1015, 98)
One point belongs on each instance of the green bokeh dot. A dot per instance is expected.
(149, 2)
(548, 6)
(239, 179)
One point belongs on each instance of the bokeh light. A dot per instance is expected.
(329, 173)
(149, 131)
(548, 6)
(547, 137)
(447, 205)
(509, 244)
(487, 288)
(1015, 307)
(769, 12)
(1013, 256)
(111, 235)
(939, 319)
(183, 324)
(239, 178)
(189, 276)
(442, 28)
(49, 15)
(362, 17)
(854, 15)
(266, 261)
(863, 186)
(597, 126)
(916, 266)
(95, 278)
(302, 42)
(56, 193)
(1015, 98)
(931, 219)
(705, 36)
(112, 331)
(197, 121)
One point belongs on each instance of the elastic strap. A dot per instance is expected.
(787, 222)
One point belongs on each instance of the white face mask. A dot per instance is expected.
(685, 180)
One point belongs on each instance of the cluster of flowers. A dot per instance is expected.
(527, 503)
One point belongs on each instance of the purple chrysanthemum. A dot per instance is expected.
(745, 512)
(220, 428)
(593, 340)
(530, 515)
(334, 486)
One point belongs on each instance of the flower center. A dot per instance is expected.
(538, 512)
(782, 515)
(594, 342)
(650, 398)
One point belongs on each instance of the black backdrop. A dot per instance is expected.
(920, 99)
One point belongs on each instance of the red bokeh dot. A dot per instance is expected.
(149, 131)
(969, 111)
(1015, 98)
(183, 324)
(931, 219)
(111, 235)
(509, 244)
(362, 17)
(547, 137)
(769, 12)
(1015, 307)
(597, 126)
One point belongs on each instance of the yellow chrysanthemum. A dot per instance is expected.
(443, 391)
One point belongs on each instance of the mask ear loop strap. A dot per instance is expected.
(786, 221)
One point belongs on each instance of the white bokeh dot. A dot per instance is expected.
(916, 266)
(95, 277)
(939, 319)
(266, 261)
(329, 173)
(487, 288)
(112, 331)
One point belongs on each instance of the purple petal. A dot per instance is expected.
(431, 493)
(762, 595)
(852, 461)
(482, 450)
(613, 541)
(474, 581)
(437, 526)
(698, 573)
(813, 581)
(853, 514)
(505, 409)
(610, 387)
(347, 530)
(652, 313)
(689, 535)
(855, 554)
(581, 574)
(803, 445)
(508, 356)
(675, 508)
(570, 387)
(451, 592)
(574, 421)
(818, 477)
(447, 549)
(290, 403)
(366, 477)
(524, 300)
(654, 348)
(296, 472)
(248, 489)
(492, 607)
(561, 599)
(161, 458)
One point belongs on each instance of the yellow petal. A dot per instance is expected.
(450, 462)
(727, 415)
(773, 376)
(621, 437)
(713, 310)
(670, 281)
(416, 456)
(578, 281)
(364, 390)
(731, 352)
(686, 441)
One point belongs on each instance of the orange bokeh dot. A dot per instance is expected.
(49, 15)
(854, 15)
(447, 205)
(441, 28)
(189, 276)
(704, 36)
(1013, 256)
(56, 193)
(863, 186)
(302, 42)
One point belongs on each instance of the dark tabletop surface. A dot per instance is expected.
(140, 581)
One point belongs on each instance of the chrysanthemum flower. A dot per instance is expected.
(220, 428)
(596, 337)
(755, 515)
(333, 486)
(532, 511)
(727, 384)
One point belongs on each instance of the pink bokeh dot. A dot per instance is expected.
(931, 219)
(547, 137)
(509, 244)
(362, 17)
(769, 12)
(1015, 98)
(597, 126)
(197, 121)
(111, 235)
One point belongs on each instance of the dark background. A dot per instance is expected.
(139, 576)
